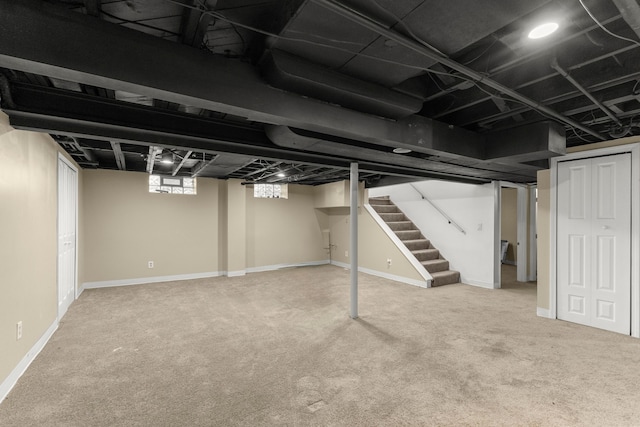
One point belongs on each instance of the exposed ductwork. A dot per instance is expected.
(431, 52)
(296, 75)
(243, 93)
(630, 10)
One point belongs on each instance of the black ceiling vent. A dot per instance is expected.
(297, 75)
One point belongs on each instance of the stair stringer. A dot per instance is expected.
(401, 246)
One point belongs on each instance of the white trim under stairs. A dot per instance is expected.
(393, 277)
(396, 241)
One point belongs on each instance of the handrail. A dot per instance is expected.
(447, 217)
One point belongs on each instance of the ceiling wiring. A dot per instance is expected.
(139, 23)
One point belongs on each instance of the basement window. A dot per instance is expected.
(172, 184)
(271, 191)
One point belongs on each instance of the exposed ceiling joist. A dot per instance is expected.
(182, 162)
(430, 52)
(243, 94)
(119, 156)
(151, 158)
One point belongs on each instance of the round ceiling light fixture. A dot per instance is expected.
(401, 150)
(543, 30)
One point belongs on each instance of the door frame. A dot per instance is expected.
(523, 233)
(67, 162)
(634, 149)
(533, 233)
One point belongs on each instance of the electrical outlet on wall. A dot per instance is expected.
(19, 330)
(346, 254)
(150, 264)
(389, 261)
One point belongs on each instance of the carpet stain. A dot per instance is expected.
(316, 406)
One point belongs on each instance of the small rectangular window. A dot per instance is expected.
(171, 184)
(271, 191)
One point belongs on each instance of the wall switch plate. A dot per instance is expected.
(388, 261)
(150, 264)
(19, 330)
(346, 254)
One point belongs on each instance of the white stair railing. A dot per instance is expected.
(447, 217)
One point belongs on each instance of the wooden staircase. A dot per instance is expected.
(413, 239)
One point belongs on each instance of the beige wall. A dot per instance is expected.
(337, 194)
(221, 229)
(509, 221)
(236, 213)
(284, 231)
(126, 226)
(374, 246)
(28, 249)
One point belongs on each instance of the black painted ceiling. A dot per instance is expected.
(253, 89)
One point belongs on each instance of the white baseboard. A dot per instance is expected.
(22, 366)
(144, 280)
(478, 283)
(543, 312)
(80, 290)
(280, 266)
(236, 273)
(401, 279)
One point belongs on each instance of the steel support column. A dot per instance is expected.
(354, 240)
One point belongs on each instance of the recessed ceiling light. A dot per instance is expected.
(543, 30)
(401, 150)
(281, 175)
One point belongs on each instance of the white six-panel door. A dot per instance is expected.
(67, 211)
(594, 242)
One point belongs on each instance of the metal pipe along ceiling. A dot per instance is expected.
(574, 82)
(431, 53)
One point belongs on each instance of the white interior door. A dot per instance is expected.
(594, 242)
(67, 212)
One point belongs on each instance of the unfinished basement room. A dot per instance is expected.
(319, 212)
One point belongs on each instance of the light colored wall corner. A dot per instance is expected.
(125, 226)
(28, 247)
(236, 227)
(284, 231)
(509, 221)
(543, 218)
(543, 312)
(471, 206)
(604, 144)
(336, 194)
(223, 209)
(374, 246)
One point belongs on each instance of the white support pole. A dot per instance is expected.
(354, 240)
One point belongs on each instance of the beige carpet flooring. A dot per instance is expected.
(278, 348)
